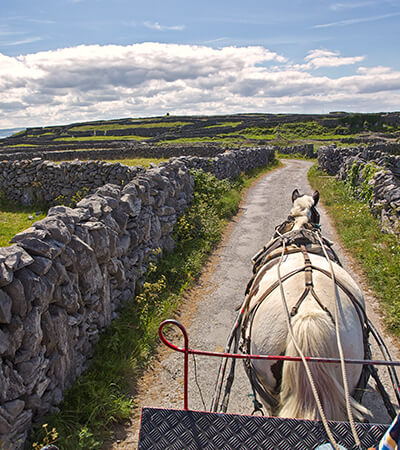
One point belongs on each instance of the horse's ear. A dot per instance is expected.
(295, 195)
(315, 197)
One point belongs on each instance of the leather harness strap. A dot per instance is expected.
(308, 268)
(253, 287)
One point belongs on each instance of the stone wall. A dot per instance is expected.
(125, 149)
(109, 150)
(35, 180)
(370, 170)
(64, 279)
(305, 150)
(331, 158)
(231, 163)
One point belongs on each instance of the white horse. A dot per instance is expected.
(313, 326)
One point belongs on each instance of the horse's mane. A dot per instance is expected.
(301, 210)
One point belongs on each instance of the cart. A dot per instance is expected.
(187, 429)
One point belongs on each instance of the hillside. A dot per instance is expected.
(228, 130)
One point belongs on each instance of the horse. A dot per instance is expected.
(295, 304)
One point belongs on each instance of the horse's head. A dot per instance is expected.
(303, 210)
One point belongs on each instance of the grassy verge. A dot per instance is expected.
(102, 396)
(378, 253)
(145, 162)
(16, 218)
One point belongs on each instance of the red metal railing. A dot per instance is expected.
(188, 351)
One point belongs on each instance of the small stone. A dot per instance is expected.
(5, 307)
(4, 342)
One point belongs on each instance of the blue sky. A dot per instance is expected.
(64, 61)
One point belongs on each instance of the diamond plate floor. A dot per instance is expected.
(178, 429)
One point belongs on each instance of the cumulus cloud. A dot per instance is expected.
(91, 82)
(326, 58)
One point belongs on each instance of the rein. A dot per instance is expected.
(271, 254)
(309, 289)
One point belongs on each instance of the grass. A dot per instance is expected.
(359, 230)
(145, 162)
(225, 124)
(294, 133)
(102, 138)
(281, 134)
(131, 162)
(116, 126)
(101, 396)
(228, 139)
(22, 145)
(15, 218)
(189, 140)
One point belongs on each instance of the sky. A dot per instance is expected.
(66, 61)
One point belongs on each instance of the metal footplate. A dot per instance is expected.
(180, 429)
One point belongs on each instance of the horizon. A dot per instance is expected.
(74, 61)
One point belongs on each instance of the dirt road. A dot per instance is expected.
(209, 311)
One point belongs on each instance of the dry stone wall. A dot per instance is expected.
(331, 158)
(109, 150)
(64, 279)
(306, 150)
(371, 171)
(37, 180)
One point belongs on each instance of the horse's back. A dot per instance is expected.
(268, 330)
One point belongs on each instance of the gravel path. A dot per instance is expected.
(209, 310)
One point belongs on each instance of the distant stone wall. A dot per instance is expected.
(383, 185)
(64, 279)
(110, 150)
(231, 163)
(31, 181)
(305, 150)
(121, 150)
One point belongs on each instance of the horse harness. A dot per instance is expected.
(305, 241)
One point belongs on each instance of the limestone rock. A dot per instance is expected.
(5, 307)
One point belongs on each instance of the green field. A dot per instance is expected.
(251, 129)
(145, 162)
(116, 126)
(102, 138)
(15, 218)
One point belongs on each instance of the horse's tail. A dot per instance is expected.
(315, 335)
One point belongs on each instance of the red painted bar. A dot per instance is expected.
(267, 357)
(187, 351)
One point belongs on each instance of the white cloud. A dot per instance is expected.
(157, 26)
(95, 82)
(326, 58)
(352, 5)
(22, 41)
(345, 22)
